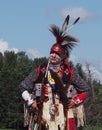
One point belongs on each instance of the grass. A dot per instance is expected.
(86, 128)
(5, 129)
(93, 128)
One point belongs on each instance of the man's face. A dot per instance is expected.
(55, 58)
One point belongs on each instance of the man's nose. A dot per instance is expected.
(54, 54)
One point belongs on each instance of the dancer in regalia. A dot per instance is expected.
(45, 90)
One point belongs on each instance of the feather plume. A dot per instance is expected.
(76, 20)
(57, 33)
(73, 24)
(65, 24)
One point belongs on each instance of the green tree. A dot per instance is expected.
(1, 61)
(38, 61)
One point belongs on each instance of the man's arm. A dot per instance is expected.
(82, 88)
(26, 86)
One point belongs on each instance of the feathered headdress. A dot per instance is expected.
(64, 42)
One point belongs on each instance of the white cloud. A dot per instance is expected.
(99, 64)
(97, 75)
(4, 47)
(73, 58)
(77, 12)
(95, 67)
(13, 49)
(32, 53)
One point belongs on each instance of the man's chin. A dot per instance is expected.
(54, 63)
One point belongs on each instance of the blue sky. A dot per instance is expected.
(24, 27)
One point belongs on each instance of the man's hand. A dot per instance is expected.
(71, 104)
(34, 105)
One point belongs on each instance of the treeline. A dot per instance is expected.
(14, 68)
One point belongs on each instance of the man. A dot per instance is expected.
(51, 105)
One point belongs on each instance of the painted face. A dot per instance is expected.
(55, 58)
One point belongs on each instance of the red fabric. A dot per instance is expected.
(56, 39)
(30, 128)
(59, 41)
(71, 124)
(57, 49)
(68, 69)
(26, 102)
(71, 73)
(79, 98)
(39, 67)
(46, 90)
